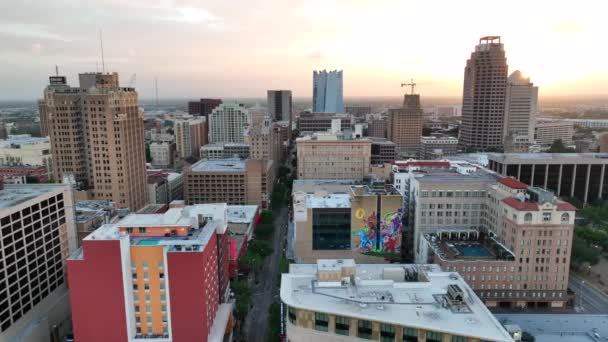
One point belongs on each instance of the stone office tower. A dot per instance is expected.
(404, 126)
(97, 138)
(483, 101)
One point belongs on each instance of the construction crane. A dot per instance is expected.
(132, 80)
(412, 84)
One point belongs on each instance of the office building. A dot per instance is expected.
(546, 132)
(37, 234)
(434, 147)
(279, 105)
(578, 175)
(322, 122)
(163, 154)
(174, 180)
(232, 181)
(154, 276)
(339, 300)
(203, 107)
(225, 151)
(331, 156)
(377, 127)
(44, 119)
(227, 123)
(483, 102)
(520, 108)
(158, 190)
(264, 141)
(190, 135)
(327, 94)
(358, 111)
(404, 126)
(382, 151)
(97, 138)
(91, 215)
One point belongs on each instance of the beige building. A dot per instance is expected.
(97, 138)
(263, 140)
(330, 156)
(404, 126)
(44, 118)
(190, 135)
(232, 181)
(546, 132)
(227, 123)
(24, 149)
(520, 109)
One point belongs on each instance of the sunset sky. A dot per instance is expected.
(235, 48)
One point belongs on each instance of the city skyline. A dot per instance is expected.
(377, 45)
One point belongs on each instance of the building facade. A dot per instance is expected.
(37, 234)
(97, 137)
(377, 128)
(225, 151)
(203, 107)
(327, 94)
(546, 132)
(279, 105)
(404, 126)
(163, 154)
(44, 118)
(383, 151)
(434, 147)
(483, 101)
(227, 123)
(521, 102)
(321, 122)
(190, 135)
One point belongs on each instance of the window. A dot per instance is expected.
(331, 229)
(321, 321)
(146, 275)
(142, 230)
(149, 330)
(410, 335)
(342, 325)
(433, 336)
(145, 264)
(459, 339)
(136, 308)
(387, 333)
(527, 218)
(292, 315)
(364, 329)
(149, 319)
(565, 217)
(546, 217)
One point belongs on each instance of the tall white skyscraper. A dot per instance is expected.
(520, 107)
(327, 94)
(227, 123)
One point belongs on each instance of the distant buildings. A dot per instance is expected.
(546, 132)
(434, 147)
(405, 124)
(330, 156)
(483, 103)
(27, 173)
(377, 127)
(25, 150)
(37, 235)
(190, 135)
(225, 151)
(520, 108)
(97, 138)
(339, 300)
(358, 111)
(232, 181)
(327, 92)
(203, 107)
(158, 190)
(382, 151)
(160, 276)
(44, 118)
(227, 123)
(322, 122)
(174, 186)
(280, 105)
(263, 140)
(163, 154)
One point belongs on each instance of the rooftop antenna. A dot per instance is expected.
(411, 84)
(156, 91)
(103, 62)
(56, 70)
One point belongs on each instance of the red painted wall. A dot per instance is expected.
(96, 293)
(193, 292)
(224, 262)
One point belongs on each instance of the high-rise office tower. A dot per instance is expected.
(279, 105)
(190, 135)
(404, 126)
(327, 94)
(38, 233)
(483, 101)
(44, 119)
(520, 108)
(227, 123)
(203, 107)
(97, 138)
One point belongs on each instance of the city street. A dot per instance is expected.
(588, 299)
(266, 291)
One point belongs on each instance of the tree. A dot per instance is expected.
(259, 247)
(582, 252)
(266, 217)
(559, 147)
(264, 230)
(31, 180)
(243, 298)
(148, 154)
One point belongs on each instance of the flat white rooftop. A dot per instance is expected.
(328, 201)
(15, 194)
(374, 295)
(227, 165)
(241, 213)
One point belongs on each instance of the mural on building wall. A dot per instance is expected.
(368, 240)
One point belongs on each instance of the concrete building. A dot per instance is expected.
(404, 126)
(327, 94)
(163, 154)
(91, 215)
(44, 119)
(382, 151)
(175, 183)
(338, 300)
(377, 127)
(263, 140)
(158, 190)
(97, 138)
(225, 151)
(579, 175)
(546, 132)
(521, 102)
(227, 123)
(585, 123)
(37, 234)
(203, 107)
(322, 122)
(434, 147)
(232, 181)
(154, 276)
(483, 101)
(345, 219)
(331, 156)
(190, 135)
(38, 173)
(22, 150)
(358, 111)
(279, 105)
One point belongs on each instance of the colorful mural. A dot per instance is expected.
(366, 238)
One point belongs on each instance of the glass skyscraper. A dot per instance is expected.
(327, 92)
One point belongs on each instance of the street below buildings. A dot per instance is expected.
(265, 290)
(589, 300)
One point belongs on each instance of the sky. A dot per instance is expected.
(241, 48)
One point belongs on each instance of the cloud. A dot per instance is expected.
(194, 15)
(30, 31)
(315, 55)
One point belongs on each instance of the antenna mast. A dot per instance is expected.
(56, 70)
(156, 90)
(103, 63)
(411, 84)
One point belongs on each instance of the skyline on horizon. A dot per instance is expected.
(206, 49)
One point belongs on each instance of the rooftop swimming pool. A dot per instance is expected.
(147, 243)
(473, 250)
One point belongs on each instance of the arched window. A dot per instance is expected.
(565, 217)
(528, 217)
